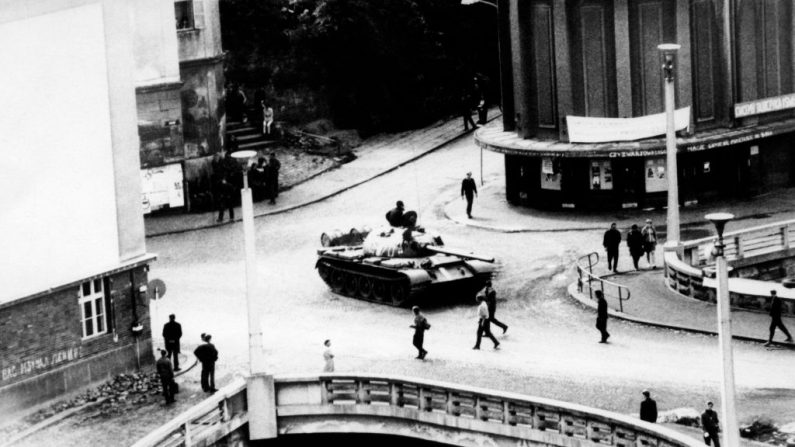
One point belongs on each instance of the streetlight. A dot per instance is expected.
(731, 431)
(668, 51)
(247, 204)
(472, 2)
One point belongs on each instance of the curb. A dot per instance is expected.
(331, 194)
(585, 301)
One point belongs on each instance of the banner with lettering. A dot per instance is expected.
(583, 129)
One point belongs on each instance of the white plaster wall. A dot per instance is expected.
(155, 45)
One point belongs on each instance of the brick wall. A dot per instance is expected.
(42, 350)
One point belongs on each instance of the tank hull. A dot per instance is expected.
(405, 282)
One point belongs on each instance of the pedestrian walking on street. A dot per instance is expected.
(775, 318)
(166, 374)
(649, 242)
(273, 177)
(207, 355)
(328, 357)
(420, 326)
(711, 426)
(484, 326)
(635, 245)
(466, 112)
(648, 408)
(601, 315)
(469, 190)
(172, 332)
(491, 302)
(611, 241)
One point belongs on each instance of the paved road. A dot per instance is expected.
(551, 347)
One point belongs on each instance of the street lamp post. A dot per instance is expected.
(254, 328)
(730, 429)
(669, 52)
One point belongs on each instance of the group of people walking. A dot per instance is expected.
(639, 242)
(168, 363)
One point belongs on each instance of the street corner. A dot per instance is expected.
(490, 211)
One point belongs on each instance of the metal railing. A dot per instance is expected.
(586, 278)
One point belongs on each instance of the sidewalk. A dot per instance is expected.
(651, 302)
(374, 158)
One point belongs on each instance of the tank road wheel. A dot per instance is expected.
(325, 272)
(337, 279)
(365, 287)
(349, 284)
(399, 293)
(381, 291)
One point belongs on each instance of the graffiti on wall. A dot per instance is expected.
(39, 363)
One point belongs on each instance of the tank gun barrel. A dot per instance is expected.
(460, 253)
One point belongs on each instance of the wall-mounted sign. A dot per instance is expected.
(584, 129)
(162, 187)
(654, 173)
(765, 105)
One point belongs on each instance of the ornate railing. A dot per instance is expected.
(586, 279)
(461, 408)
(742, 244)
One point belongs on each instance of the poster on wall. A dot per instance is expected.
(601, 175)
(655, 175)
(161, 187)
(549, 180)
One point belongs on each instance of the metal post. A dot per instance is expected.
(255, 351)
(731, 433)
(669, 52)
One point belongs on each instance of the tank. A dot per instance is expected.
(399, 266)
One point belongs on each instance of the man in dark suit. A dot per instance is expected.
(648, 408)
(166, 374)
(775, 319)
(491, 302)
(611, 241)
(207, 355)
(601, 315)
(172, 332)
(469, 190)
(711, 426)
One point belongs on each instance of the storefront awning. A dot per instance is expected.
(497, 140)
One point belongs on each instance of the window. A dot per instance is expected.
(183, 12)
(601, 174)
(550, 174)
(93, 316)
(655, 175)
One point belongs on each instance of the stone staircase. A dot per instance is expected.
(248, 136)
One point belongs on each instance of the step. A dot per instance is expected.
(258, 144)
(241, 130)
(249, 137)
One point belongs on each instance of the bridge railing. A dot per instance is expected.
(741, 244)
(494, 412)
(586, 279)
(460, 407)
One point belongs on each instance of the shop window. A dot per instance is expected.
(183, 11)
(550, 174)
(601, 175)
(654, 173)
(93, 313)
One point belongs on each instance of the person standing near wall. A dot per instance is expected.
(166, 374)
(172, 333)
(273, 177)
(775, 319)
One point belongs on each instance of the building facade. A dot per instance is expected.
(599, 59)
(179, 92)
(73, 306)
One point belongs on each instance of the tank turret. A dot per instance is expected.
(400, 266)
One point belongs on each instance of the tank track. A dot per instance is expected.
(368, 286)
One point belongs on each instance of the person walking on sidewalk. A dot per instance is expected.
(166, 373)
(420, 326)
(328, 357)
(601, 315)
(650, 242)
(775, 318)
(710, 425)
(635, 245)
(611, 241)
(484, 326)
(648, 408)
(172, 332)
(207, 355)
(491, 302)
(466, 112)
(469, 189)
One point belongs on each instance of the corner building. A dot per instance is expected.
(599, 58)
(73, 307)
